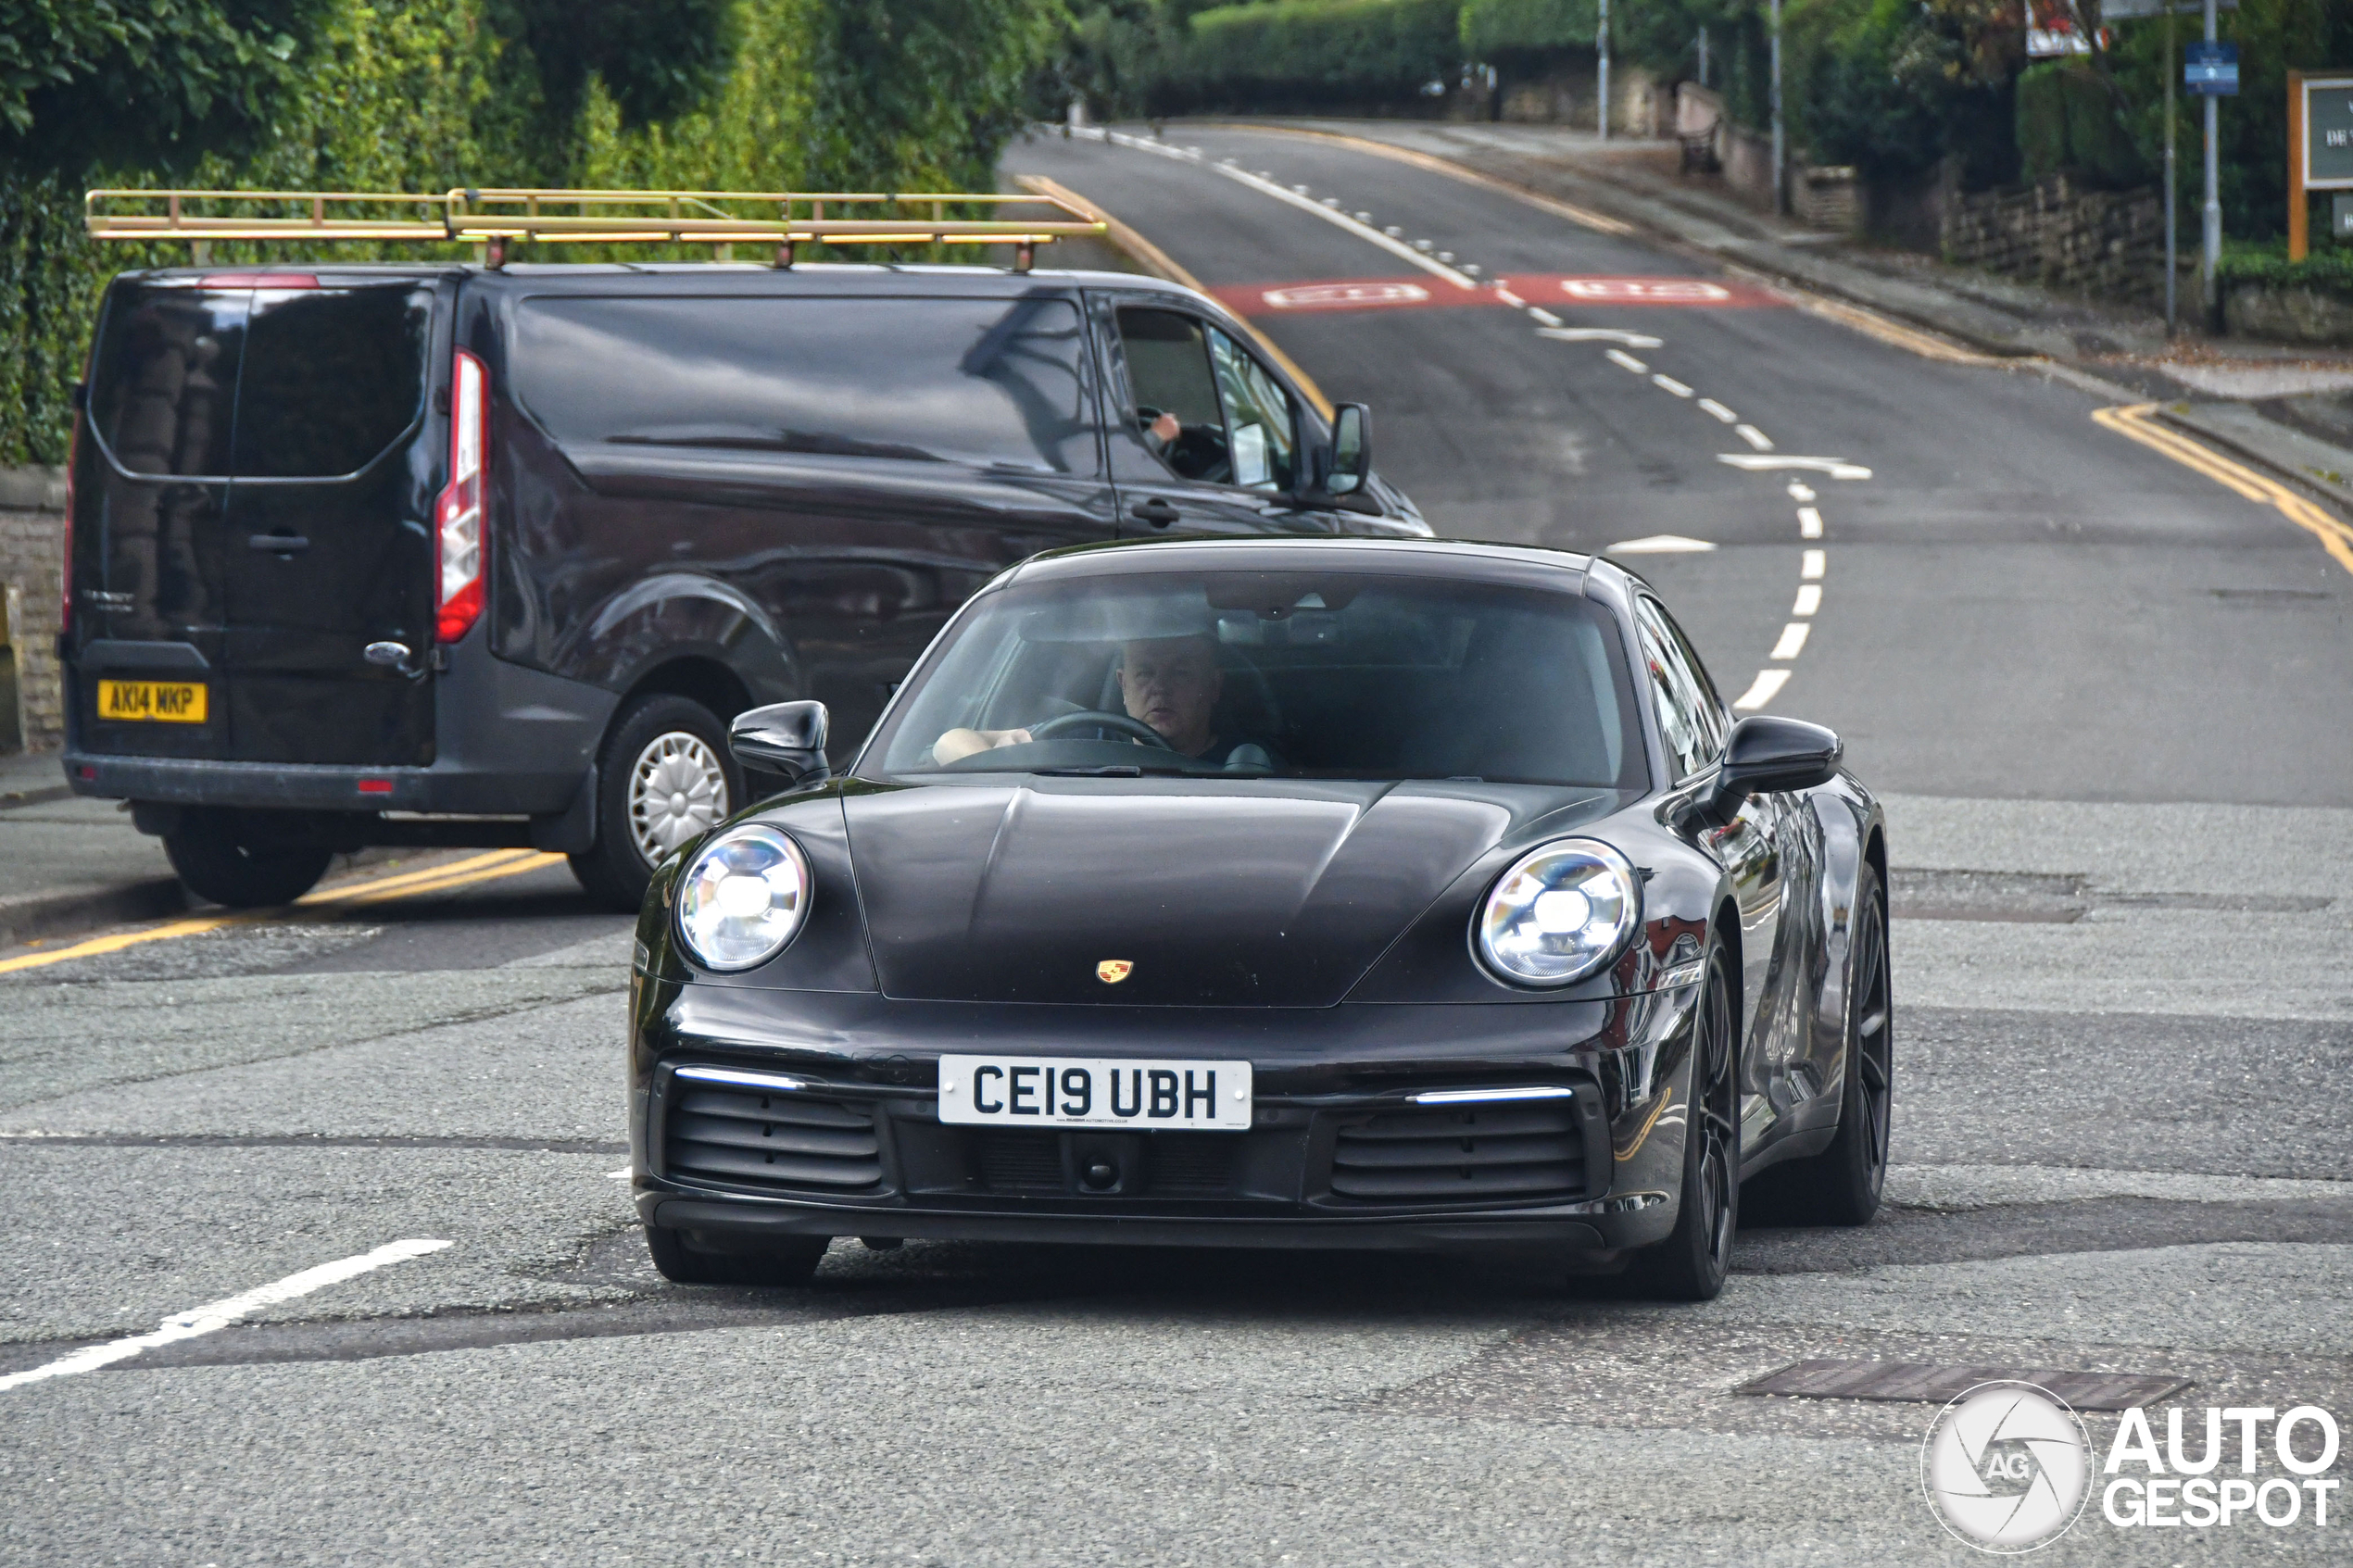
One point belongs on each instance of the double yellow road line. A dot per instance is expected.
(2136, 423)
(333, 901)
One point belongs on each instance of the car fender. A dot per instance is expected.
(1848, 816)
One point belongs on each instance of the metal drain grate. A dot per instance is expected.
(1932, 1383)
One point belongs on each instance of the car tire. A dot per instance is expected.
(658, 741)
(1842, 1185)
(1690, 1265)
(789, 1261)
(219, 858)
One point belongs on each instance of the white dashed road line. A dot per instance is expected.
(1668, 383)
(1816, 562)
(1754, 436)
(1764, 689)
(1809, 522)
(1792, 642)
(1626, 361)
(220, 1314)
(1537, 313)
(1723, 414)
(1809, 596)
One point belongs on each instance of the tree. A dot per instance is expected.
(158, 84)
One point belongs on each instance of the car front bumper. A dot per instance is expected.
(853, 1077)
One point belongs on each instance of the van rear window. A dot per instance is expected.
(331, 378)
(275, 384)
(994, 383)
(163, 377)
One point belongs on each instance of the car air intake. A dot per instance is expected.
(1439, 1154)
(781, 1139)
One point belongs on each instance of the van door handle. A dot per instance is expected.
(1157, 512)
(284, 544)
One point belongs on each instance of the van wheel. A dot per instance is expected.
(220, 859)
(663, 778)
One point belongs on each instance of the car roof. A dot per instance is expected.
(1468, 559)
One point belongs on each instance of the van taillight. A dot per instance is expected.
(65, 571)
(458, 514)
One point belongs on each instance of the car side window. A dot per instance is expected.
(1262, 425)
(1689, 719)
(1176, 405)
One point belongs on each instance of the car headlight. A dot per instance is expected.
(1559, 914)
(745, 895)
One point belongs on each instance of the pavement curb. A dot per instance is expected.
(34, 915)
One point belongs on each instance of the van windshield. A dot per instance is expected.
(1303, 675)
(194, 381)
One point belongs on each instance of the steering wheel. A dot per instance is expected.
(1133, 729)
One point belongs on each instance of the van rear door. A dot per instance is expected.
(249, 515)
(326, 549)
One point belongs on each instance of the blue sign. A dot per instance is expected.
(2211, 68)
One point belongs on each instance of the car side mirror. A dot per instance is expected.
(1767, 753)
(786, 738)
(1351, 449)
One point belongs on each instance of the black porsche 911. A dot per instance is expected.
(1273, 893)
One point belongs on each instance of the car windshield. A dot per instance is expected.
(1257, 674)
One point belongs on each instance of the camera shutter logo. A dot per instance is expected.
(2006, 1467)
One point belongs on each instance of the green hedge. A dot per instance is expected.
(421, 96)
(1316, 52)
(2327, 268)
(2067, 122)
(1501, 29)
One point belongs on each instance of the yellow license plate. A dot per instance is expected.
(169, 702)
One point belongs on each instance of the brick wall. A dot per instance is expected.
(2112, 241)
(31, 556)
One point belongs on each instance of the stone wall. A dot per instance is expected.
(32, 560)
(2060, 235)
(2283, 314)
(1568, 95)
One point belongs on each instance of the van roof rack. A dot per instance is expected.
(491, 217)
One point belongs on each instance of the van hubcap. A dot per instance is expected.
(676, 790)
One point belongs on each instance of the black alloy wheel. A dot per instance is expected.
(784, 1262)
(1690, 1265)
(666, 776)
(1841, 1186)
(221, 858)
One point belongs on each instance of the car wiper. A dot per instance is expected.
(1120, 770)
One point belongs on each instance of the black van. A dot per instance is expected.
(452, 555)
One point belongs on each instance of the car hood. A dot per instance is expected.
(1232, 893)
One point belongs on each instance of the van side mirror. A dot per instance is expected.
(1767, 753)
(787, 739)
(1351, 449)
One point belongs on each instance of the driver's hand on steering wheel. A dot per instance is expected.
(959, 744)
(1165, 429)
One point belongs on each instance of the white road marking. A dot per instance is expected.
(1816, 562)
(1658, 545)
(1626, 361)
(1508, 297)
(220, 1314)
(1837, 467)
(1538, 312)
(619, 1175)
(1265, 186)
(1722, 413)
(1800, 491)
(1754, 436)
(1793, 641)
(1762, 690)
(1810, 599)
(1559, 333)
(1668, 383)
(1809, 522)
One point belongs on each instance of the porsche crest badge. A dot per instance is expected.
(1110, 971)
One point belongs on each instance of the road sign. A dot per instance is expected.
(2211, 68)
(2328, 132)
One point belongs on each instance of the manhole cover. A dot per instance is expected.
(1929, 1383)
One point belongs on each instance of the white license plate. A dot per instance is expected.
(1061, 1091)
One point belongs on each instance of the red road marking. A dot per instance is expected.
(1549, 289)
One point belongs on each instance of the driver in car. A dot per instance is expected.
(1172, 683)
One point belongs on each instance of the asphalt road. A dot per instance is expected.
(2104, 693)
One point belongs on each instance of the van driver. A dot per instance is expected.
(1172, 683)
